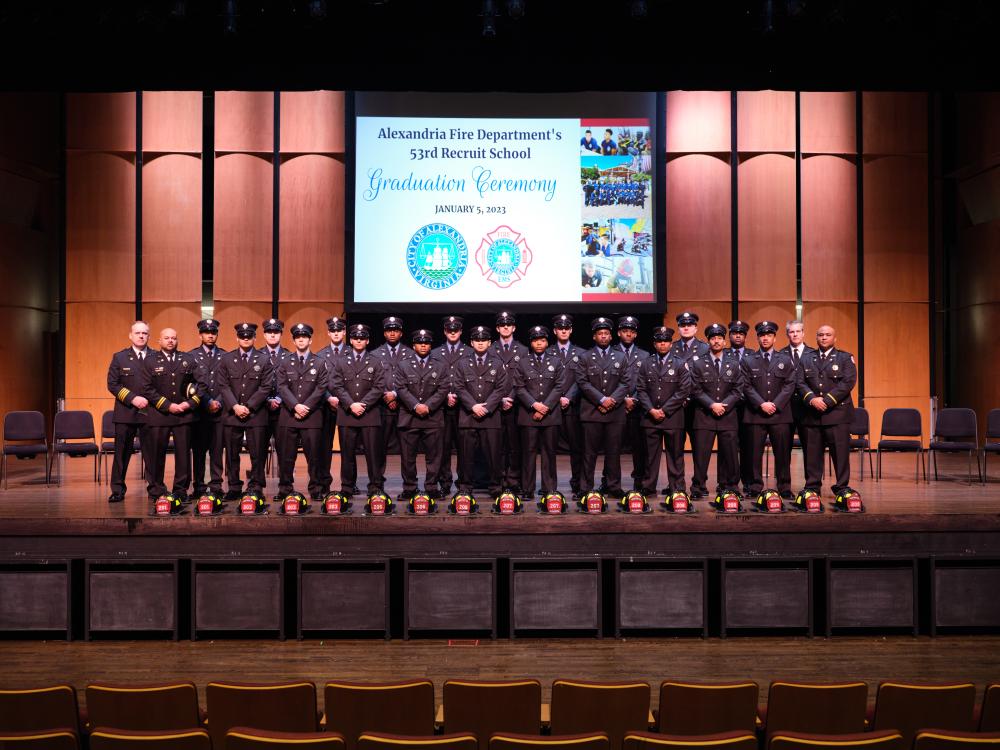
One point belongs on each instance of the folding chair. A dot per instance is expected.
(956, 431)
(21, 426)
(860, 434)
(902, 423)
(688, 708)
(991, 443)
(399, 708)
(74, 425)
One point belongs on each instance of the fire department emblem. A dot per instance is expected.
(503, 256)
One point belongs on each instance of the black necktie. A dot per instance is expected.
(563, 352)
(718, 367)
(302, 360)
(481, 361)
(795, 356)
(273, 356)
(246, 357)
(767, 357)
(142, 356)
(423, 364)
(506, 347)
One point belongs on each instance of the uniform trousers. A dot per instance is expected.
(747, 454)
(637, 443)
(511, 448)
(533, 441)
(370, 439)
(602, 437)
(329, 430)
(570, 432)
(288, 440)
(256, 441)
(727, 466)
(781, 447)
(207, 437)
(389, 437)
(699, 479)
(125, 434)
(488, 441)
(670, 442)
(449, 443)
(409, 445)
(838, 438)
(158, 437)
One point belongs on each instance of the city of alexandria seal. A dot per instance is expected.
(437, 256)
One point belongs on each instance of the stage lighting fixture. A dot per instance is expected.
(317, 9)
(639, 8)
(229, 17)
(515, 8)
(489, 13)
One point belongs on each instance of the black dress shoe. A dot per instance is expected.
(116, 497)
(280, 497)
(698, 494)
(315, 496)
(787, 495)
(233, 495)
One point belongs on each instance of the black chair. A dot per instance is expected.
(902, 423)
(956, 431)
(74, 425)
(860, 432)
(108, 446)
(24, 425)
(992, 442)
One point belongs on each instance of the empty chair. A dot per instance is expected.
(23, 426)
(280, 707)
(103, 738)
(707, 708)
(51, 739)
(403, 708)
(39, 709)
(907, 708)
(485, 708)
(945, 739)
(720, 741)
(143, 707)
(245, 738)
(585, 741)
(383, 741)
(989, 716)
(901, 423)
(78, 427)
(878, 740)
(816, 708)
(991, 444)
(860, 432)
(956, 431)
(610, 707)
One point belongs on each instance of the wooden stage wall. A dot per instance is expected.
(762, 209)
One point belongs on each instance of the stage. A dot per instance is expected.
(923, 557)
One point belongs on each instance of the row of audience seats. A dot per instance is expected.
(503, 715)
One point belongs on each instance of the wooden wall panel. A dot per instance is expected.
(903, 466)
(230, 313)
(29, 286)
(171, 229)
(312, 122)
(895, 229)
(699, 246)
(171, 121)
(23, 359)
(315, 314)
(977, 265)
(183, 317)
(30, 126)
(698, 121)
(708, 312)
(100, 227)
(828, 122)
(829, 229)
(94, 332)
(752, 313)
(767, 228)
(101, 122)
(311, 229)
(894, 122)
(243, 226)
(844, 319)
(978, 127)
(975, 384)
(897, 350)
(765, 121)
(244, 121)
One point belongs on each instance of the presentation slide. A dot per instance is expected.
(505, 210)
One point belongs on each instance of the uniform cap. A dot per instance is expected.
(562, 321)
(208, 325)
(687, 319)
(538, 332)
(738, 326)
(452, 323)
(335, 324)
(423, 336)
(663, 333)
(393, 322)
(360, 331)
(505, 318)
(273, 325)
(766, 326)
(481, 333)
(598, 323)
(246, 330)
(628, 321)
(302, 329)
(716, 329)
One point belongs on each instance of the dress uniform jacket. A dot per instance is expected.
(245, 383)
(428, 385)
(486, 385)
(206, 370)
(301, 384)
(164, 382)
(832, 379)
(359, 380)
(763, 382)
(569, 360)
(389, 361)
(330, 354)
(450, 358)
(515, 353)
(687, 351)
(666, 386)
(709, 387)
(545, 380)
(600, 376)
(123, 383)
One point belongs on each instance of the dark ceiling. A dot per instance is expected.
(555, 44)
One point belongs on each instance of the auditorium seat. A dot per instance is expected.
(22, 426)
(170, 705)
(584, 741)
(103, 738)
(68, 430)
(487, 707)
(945, 739)
(989, 715)
(280, 707)
(245, 738)
(612, 707)
(50, 739)
(909, 707)
(879, 740)
(33, 709)
(956, 431)
(403, 708)
(720, 741)
(688, 708)
(382, 741)
(819, 708)
(991, 441)
(901, 423)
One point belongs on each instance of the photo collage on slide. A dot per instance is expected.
(616, 232)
